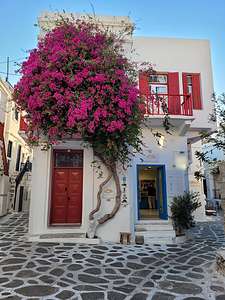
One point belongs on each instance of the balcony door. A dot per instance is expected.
(67, 186)
(162, 93)
(158, 84)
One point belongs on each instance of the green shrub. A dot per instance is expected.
(182, 209)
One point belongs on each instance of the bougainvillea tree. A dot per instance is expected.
(79, 82)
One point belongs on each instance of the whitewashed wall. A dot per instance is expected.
(174, 147)
(197, 185)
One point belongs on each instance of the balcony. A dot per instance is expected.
(178, 107)
(173, 105)
(23, 124)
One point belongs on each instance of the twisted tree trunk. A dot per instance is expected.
(93, 222)
(116, 207)
(99, 200)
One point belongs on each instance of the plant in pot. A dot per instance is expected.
(182, 209)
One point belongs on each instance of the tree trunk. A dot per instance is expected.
(93, 222)
(99, 200)
(116, 207)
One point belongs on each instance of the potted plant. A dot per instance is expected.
(182, 209)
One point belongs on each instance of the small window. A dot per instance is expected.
(189, 84)
(69, 159)
(9, 149)
(158, 78)
(18, 158)
(16, 114)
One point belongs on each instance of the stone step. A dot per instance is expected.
(67, 240)
(77, 238)
(62, 235)
(159, 240)
(154, 221)
(158, 233)
(155, 227)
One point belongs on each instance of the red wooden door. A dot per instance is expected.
(59, 196)
(75, 184)
(67, 186)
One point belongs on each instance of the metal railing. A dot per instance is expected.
(161, 104)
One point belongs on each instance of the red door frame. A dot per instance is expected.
(53, 179)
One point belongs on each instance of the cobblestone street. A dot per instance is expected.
(109, 271)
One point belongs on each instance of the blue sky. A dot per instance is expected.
(165, 18)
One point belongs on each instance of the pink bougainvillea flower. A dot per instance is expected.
(77, 81)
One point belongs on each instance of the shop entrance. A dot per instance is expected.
(152, 202)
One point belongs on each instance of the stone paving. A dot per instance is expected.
(109, 271)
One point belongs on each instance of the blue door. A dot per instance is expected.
(151, 192)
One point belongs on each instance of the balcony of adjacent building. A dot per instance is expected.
(23, 127)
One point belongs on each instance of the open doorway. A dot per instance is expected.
(152, 203)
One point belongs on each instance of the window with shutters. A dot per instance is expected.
(192, 86)
(161, 92)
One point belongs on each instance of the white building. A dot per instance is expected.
(62, 198)
(14, 153)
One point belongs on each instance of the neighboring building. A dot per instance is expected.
(214, 174)
(62, 198)
(5, 93)
(15, 152)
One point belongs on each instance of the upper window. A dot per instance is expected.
(16, 115)
(158, 84)
(69, 159)
(9, 149)
(158, 78)
(189, 84)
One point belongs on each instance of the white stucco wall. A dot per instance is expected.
(41, 191)
(172, 154)
(196, 185)
(41, 197)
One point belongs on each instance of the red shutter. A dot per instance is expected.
(144, 88)
(196, 91)
(174, 105)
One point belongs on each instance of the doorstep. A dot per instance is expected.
(73, 240)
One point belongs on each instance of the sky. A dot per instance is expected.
(165, 18)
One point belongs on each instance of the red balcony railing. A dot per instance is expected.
(23, 124)
(161, 104)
